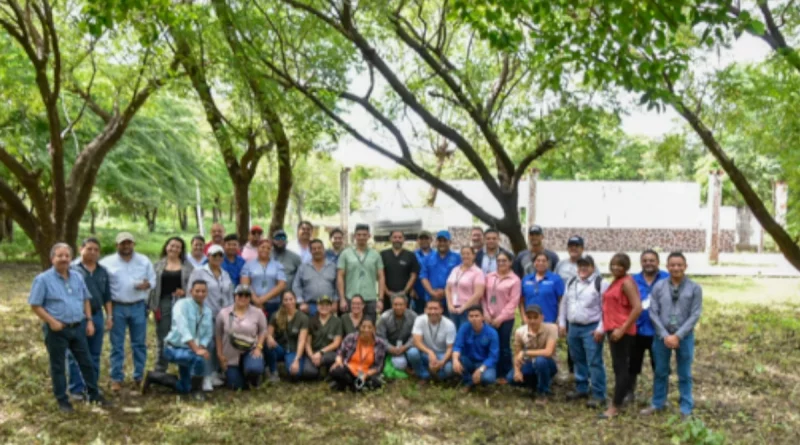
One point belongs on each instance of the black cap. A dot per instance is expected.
(575, 241)
(586, 259)
(533, 308)
(535, 230)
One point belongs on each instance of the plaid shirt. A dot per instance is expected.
(348, 348)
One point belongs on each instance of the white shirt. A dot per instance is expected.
(305, 254)
(126, 275)
(436, 337)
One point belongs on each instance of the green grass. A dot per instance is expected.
(747, 379)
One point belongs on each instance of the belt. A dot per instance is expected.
(121, 303)
(584, 324)
(72, 325)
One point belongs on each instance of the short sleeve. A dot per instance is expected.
(423, 268)
(303, 324)
(262, 322)
(341, 263)
(417, 328)
(280, 273)
(220, 324)
(38, 292)
(450, 337)
(338, 329)
(415, 267)
(246, 270)
(379, 263)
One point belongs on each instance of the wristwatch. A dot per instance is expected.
(482, 369)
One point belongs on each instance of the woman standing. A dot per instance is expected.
(359, 362)
(501, 299)
(351, 320)
(286, 341)
(266, 278)
(220, 295)
(197, 258)
(241, 330)
(621, 308)
(465, 287)
(542, 287)
(172, 279)
(325, 335)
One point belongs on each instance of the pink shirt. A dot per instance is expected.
(502, 296)
(249, 252)
(462, 283)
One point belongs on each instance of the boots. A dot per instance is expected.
(159, 378)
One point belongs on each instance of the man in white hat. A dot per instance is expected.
(132, 276)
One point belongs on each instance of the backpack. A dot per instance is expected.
(598, 281)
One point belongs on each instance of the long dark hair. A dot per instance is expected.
(282, 319)
(182, 255)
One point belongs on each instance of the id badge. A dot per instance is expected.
(493, 300)
(362, 275)
(263, 284)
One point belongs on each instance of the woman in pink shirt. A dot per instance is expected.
(503, 290)
(465, 287)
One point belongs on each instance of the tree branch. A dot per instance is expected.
(541, 149)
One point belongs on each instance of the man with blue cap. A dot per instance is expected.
(436, 268)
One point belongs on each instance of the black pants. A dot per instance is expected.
(641, 343)
(620, 360)
(74, 340)
(163, 325)
(345, 379)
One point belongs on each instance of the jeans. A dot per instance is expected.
(95, 345)
(162, 329)
(537, 374)
(312, 309)
(247, 374)
(371, 309)
(58, 343)
(134, 318)
(307, 369)
(684, 355)
(487, 378)
(189, 364)
(418, 305)
(587, 355)
(641, 344)
(505, 363)
(459, 319)
(620, 361)
(420, 364)
(272, 306)
(212, 364)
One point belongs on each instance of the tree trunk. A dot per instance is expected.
(9, 223)
(93, 214)
(299, 203)
(511, 226)
(215, 211)
(232, 209)
(151, 219)
(197, 216)
(285, 183)
(242, 206)
(183, 218)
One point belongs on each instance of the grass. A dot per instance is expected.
(747, 379)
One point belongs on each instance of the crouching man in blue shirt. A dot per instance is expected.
(59, 298)
(187, 342)
(476, 351)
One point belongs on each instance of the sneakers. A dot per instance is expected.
(274, 378)
(208, 385)
(216, 379)
(575, 395)
(65, 407)
(649, 411)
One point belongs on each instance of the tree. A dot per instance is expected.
(43, 35)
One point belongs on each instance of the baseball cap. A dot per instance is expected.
(586, 259)
(533, 308)
(424, 234)
(279, 233)
(575, 241)
(325, 299)
(535, 230)
(242, 289)
(215, 249)
(443, 234)
(124, 236)
(255, 229)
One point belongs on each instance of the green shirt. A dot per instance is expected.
(288, 338)
(323, 334)
(360, 273)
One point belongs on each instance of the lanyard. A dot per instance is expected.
(432, 334)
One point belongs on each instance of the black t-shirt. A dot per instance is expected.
(170, 282)
(323, 335)
(398, 268)
(288, 338)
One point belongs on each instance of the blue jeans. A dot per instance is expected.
(95, 343)
(459, 319)
(420, 364)
(587, 355)
(537, 374)
(189, 364)
(505, 364)
(134, 318)
(272, 306)
(312, 308)
(487, 378)
(212, 364)
(279, 354)
(58, 343)
(418, 305)
(684, 355)
(247, 374)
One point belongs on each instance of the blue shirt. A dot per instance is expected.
(546, 293)
(644, 326)
(126, 275)
(436, 269)
(331, 255)
(480, 347)
(62, 299)
(418, 288)
(190, 321)
(233, 268)
(264, 278)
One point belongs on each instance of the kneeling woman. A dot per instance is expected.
(359, 363)
(325, 335)
(286, 339)
(240, 333)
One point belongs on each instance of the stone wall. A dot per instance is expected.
(621, 240)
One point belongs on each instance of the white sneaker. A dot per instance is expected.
(216, 379)
(274, 378)
(207, 384)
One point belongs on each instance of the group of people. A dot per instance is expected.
(228, 314)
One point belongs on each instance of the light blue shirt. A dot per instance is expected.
(220, 288)
(190, 321)
(126, 275)
(264, 278)
(62, 299)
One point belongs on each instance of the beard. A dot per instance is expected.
(397, 246)
(279, 249)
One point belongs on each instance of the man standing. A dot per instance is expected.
(217, 236)
(395, 326)
(315, 279)
(132, 276)
(290, 260)
(434, 337)
(523, 265)
(337, 245)
(302, 246)
(400, 268)
(675, 308)
(476, 351)
(250, 249)
(233, 262)
(360, 272)
(486, 258)
(99, 285)
(568, 268)
(645, 281)
(476, 239)
(436, 269)
(535, 347)
(61, 300)
(422, 252)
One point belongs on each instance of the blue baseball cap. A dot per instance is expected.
(443, 234)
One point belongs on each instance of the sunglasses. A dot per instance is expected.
(216, 255)
(243, 295)
(279, 238)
